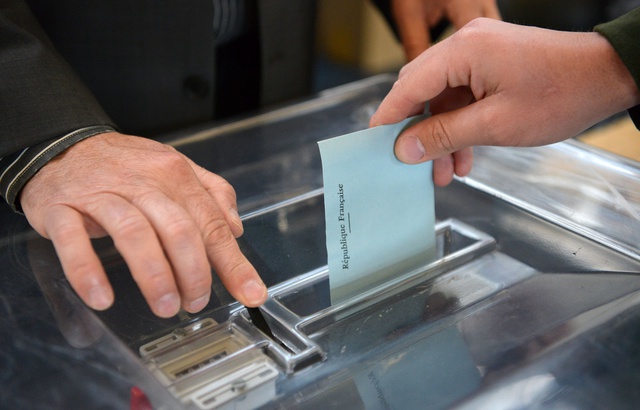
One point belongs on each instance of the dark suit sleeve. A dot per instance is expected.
(44, 108)
(624, 35)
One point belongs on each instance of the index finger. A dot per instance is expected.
(419, 81)
(235, 271)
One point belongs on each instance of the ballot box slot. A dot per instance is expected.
(457, 243)
(293, 345)
(286, 345)
(207, 364)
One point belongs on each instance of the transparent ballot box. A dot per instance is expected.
(533, 299)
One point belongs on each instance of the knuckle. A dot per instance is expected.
(402, 91)
(471, 32)
(196, 285)
(476, 23)
(216, 231)
(172, 160)
(399, 84)
(228, 190)
(65, 234)
(131, 224)
(155, 278)
(167, 161)
(235, 270)
(81, 274)
(181, 229)
(441, 136)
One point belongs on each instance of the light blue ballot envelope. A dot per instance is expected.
(379, 212)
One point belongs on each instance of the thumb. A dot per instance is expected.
(443, 134)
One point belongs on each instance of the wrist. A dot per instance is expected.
(621, 90)
(32, 159)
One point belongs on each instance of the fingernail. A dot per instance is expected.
(235, 218)
(198, 304)
(168, 305)
(410, 149)
(254, 292)
(99, 298)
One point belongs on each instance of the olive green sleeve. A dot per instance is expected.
(624, 35)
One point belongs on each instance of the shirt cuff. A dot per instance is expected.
(17, 169)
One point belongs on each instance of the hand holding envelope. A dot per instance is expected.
(379, 212)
